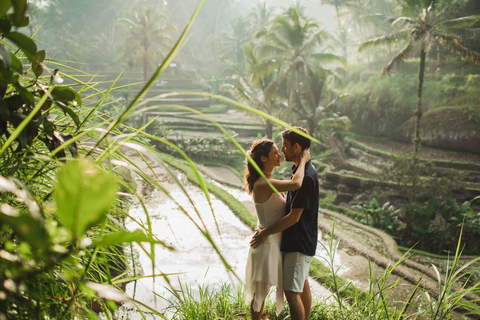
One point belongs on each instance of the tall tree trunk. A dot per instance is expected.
(344, 44)
(269, 129)
(419, 112)
(338, 16)
(145, 63)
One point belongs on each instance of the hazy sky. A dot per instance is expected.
(324, 14)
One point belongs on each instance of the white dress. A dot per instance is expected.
(264, 263)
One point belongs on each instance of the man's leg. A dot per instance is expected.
(297, 310)
(295, 284)
(306, 297)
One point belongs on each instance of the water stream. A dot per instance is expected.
(194, 262)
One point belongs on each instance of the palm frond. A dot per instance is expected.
(452, 43)
(399, 57)
(449, 8)
(268, 50)
(403, 21)
(459, 22)
(329, 58)
(387, 40)
(270, 91)
(316, 38)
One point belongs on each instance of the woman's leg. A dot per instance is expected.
(256, 315)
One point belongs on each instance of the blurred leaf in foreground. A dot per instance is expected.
(84, 193)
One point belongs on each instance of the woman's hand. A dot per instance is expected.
(305, 155)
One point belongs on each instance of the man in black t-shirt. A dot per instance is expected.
(300, 228)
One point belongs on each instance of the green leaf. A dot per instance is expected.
(5, 26)
(66, 94)
(37, 63)
(18, 17)
(5, 76)
(4, 6)
(84, 193)
(48, 128)
(4, 56)
(26, 95)
(127, 236)
(25, 43)
(29, 228)
(16, 64)
(72, 115)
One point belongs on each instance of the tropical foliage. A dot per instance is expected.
(424, 24)
(148, 39)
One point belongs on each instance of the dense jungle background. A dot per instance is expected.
(388, 89)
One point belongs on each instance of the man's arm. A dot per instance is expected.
(286, 222)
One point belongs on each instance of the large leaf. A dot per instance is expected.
(16, 65)
(66, 94)
(27, 227)
(84, 193)
(5, 77)
(25, 43)
(26, 95)
(5, 25)
(37, 63)
(72, 115)
(4, 56)
(4, 6)
(28, 223)
(18, 17)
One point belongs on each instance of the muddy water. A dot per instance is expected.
(194, 262)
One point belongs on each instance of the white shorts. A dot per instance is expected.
(295, 270)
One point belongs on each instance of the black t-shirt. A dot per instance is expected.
(302, 236)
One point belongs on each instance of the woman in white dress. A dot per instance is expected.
(264, 263)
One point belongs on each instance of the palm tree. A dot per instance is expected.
(318, 98)
(232, 51)
(292, 43)
(261, 16)
(259, 91)
(423, 24)
(342, 32)
(148, 37)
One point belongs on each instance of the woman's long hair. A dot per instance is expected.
(258, 149)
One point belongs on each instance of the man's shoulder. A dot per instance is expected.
(310, 171)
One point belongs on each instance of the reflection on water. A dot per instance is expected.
(193, 262)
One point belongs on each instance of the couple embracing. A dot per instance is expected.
(286, 235)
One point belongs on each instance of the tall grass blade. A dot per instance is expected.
(401, 315)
